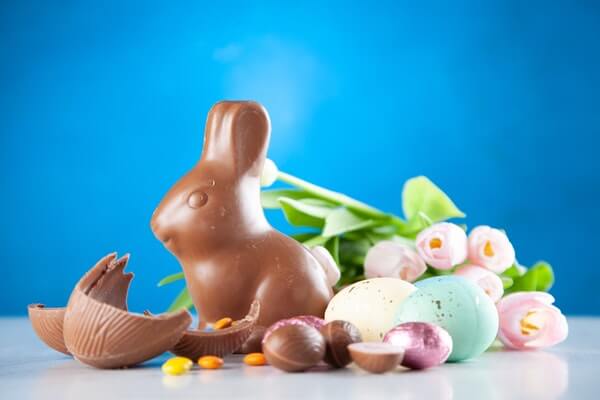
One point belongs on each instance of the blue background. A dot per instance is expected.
(102, 108)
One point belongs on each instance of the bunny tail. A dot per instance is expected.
(331, 269)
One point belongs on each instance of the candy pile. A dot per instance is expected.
(301, 343)
(182, 365)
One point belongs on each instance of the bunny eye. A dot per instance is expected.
(197, 199)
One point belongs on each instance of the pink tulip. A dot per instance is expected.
(528, 320)
(491, 249)
(388, 259)
(442, 245)
(484, 278)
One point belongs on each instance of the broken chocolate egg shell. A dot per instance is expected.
(197, 343)
(254, 342)
(376, 357)
(99, 331)
(47, 324)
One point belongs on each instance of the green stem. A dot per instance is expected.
(336, 197)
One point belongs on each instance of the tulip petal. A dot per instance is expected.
(529, 320)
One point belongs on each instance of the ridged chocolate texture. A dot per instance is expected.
(338, 335)
(100, 332)
(196, 343)
(213, 222)
(47, 324)
(254, 342)
(294, 348)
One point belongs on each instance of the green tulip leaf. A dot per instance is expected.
(545, 276)
(318, 202)
(341, 220)
(506, 282)
(538, 278)
(416, 223)
(353, 252)
(183, 301)
(422, 195)
(170, 279)
(304, 236)
(270, 198)
(513, 272)
(299, 213)
(317, 240)
(331, 196)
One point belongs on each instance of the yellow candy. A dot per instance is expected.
(222, 323)
(177, 366)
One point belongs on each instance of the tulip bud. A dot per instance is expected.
(442, 245)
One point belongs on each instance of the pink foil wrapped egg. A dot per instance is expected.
(425, 345)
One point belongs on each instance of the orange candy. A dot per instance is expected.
(210, 362)
(222, 323)
(255, 359)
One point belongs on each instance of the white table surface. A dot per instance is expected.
(29, 370)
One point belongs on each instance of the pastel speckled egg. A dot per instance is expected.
(457, 305)
(370, 305)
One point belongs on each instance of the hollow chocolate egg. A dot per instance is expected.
(99, 331)
(47, 323)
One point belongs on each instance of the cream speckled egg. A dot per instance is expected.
(370, 305)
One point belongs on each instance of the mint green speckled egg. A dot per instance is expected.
(457, 305)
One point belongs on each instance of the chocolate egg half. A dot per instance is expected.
(47, 323)
(376, 357)
(98, 329)
(196, 343)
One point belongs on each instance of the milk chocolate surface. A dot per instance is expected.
(99, 331)
(213, 222)
(196, 343)
(47, 323)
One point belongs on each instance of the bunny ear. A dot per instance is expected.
(238, 132)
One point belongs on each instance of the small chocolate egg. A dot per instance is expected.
(457, 305)
(369, 305)
(338, 335)
(294, 348)
(376, 357)
(309, 320)
(313, 321)
(425, 345)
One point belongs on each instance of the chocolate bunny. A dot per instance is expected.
(213, 222)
